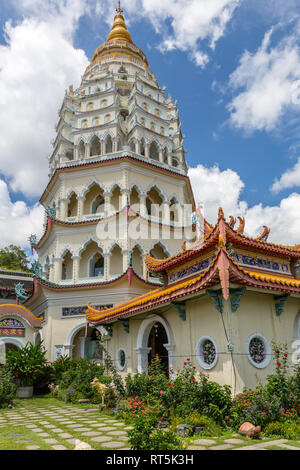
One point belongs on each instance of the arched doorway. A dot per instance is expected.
(156, 343)
(86, 347)
(152, 340)
(7, 344)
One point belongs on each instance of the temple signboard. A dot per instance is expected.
(10, 327)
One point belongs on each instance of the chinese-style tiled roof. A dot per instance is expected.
(230, 236)
(85, 285)
(223, 271)
(13, 309)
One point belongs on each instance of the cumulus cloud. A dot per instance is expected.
(267, 83)
(289, 179)
(215, 188)
(18, 220)
(190, 22)
(38, 62)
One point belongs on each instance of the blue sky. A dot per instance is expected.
(232, 70)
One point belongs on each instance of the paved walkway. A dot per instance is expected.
(240, 444)
(59, 427)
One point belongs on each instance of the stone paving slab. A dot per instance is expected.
(65, 435)
(277, 442)
(50, 441)
(221, 447)
(203, 442)
(234, 441)
(32, 447)
(112, 445)
(91, 433)
(290, 447)
(59, 447)
(101, 439)
(81, 429)
(117, 433)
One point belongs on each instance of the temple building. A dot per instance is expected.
(125, 253)
(223, 302)
(117, 189)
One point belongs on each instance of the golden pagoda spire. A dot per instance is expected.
(119, 30)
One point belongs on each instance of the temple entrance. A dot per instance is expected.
(157, 338)
(4, 348)
(87, 347)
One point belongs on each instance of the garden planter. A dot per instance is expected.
(24, 392)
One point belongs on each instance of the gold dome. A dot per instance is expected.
(119, 30)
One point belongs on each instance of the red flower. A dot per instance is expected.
(184, 363)
(285, 355)
(188, 359)
(278, 364)
(169, 384)
(193, 378)
(161, 392)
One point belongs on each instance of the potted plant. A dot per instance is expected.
(26, 365)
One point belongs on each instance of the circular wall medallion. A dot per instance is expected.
(206, 352)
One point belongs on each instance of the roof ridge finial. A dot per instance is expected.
(119, 9)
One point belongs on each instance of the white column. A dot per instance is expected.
(80, 208)
(107, 266)
(76, 152)
(125, 193)
(107, 208)
(87, 150)
(147, 150)
(76, 264)
(170, 159)
(161, 155)
(57, 269)
(63, 206)
(143, 208)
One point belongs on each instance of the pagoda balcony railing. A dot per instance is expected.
(116, 155)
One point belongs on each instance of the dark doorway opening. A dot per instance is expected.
(157, 338)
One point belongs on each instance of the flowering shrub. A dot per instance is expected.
(254, 407)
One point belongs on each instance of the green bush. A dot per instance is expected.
(287, 429)
(144, 436)
(195, 419)
(76, 376)
(7, 388)
(27, 364)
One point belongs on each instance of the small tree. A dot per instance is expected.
(14, 258)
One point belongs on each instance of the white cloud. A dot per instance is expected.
(18, 220)
(289, 179)
(38, 62)
(191, 21)
(266, 82)
(215, 188)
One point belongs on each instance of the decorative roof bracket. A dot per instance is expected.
(125, 324)
(279, 306)
(235, 297)
(109, 329)
(181, 309)
(216, 297)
